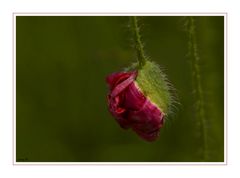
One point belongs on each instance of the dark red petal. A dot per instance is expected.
(116, 78)
(124, 123)
(147, 121)
(118, 112)
(118, 83)
(122, 86)
(134, 98)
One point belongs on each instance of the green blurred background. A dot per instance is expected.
(61, 66)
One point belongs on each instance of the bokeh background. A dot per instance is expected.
(61, 108)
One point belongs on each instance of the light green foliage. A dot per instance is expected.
(198, 88)
(154, 85)
(151, 79)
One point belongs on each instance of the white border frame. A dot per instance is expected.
(121, 163)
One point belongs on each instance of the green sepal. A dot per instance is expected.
(153, 83)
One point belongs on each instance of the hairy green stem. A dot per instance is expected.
(138, 43)
(197, 85)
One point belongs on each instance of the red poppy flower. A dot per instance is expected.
(131, 108)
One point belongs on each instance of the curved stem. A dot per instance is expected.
(138, 43)
(197, 85)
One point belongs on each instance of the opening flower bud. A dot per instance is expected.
(140, 99)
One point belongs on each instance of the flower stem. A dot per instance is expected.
(138, 43)
(197, 85)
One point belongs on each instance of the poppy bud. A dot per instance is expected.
(139, 99)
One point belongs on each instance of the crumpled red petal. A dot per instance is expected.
(118, 77)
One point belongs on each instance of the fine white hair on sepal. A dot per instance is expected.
(156, 86)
